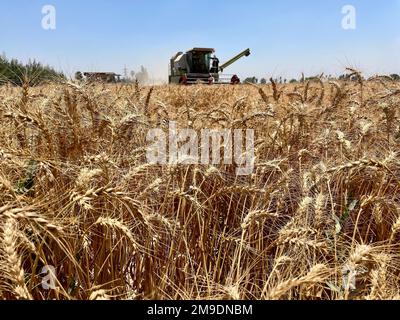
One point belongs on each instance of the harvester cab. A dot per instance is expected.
(200, 65)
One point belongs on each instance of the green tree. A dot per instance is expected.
(395, 77)
(251, 80)
(32, 73)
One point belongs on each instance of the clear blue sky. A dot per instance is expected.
(286, 36)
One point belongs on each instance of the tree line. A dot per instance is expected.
(280, 80)
(32, 73)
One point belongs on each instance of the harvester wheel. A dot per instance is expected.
(235, 80)
(183, 80)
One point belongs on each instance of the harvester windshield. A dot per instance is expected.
(199, 61)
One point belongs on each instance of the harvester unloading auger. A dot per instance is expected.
(200, 65)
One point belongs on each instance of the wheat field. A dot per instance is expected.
(319, 218)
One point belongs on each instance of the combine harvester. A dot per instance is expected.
(100, 77)
(200, 65)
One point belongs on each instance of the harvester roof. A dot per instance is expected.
(207, 50)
